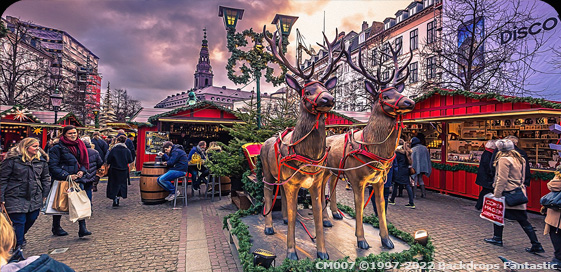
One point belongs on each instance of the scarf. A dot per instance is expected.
(74, 146)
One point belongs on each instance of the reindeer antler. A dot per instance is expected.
(397, 79)
(282, 58)
(329, 69)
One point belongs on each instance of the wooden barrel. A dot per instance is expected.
(150, 191)
(225, 185)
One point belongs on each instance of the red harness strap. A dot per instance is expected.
(382, 102)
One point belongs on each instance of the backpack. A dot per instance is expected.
(196, 159)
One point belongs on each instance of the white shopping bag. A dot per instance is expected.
(493, 209)
(79, 205)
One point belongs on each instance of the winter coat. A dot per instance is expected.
(23, 185)
(528, 175)
(553, 216)
(43, 263)
(130, 145)
(401, 174)
(95, 163)
(484, 174)
(119, 157)
(62, 163)
(177, 159)
(509, 176)
(421, 158)
(196, 149)
(101, 146)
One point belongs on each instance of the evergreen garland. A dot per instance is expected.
(257, 58)
(473, 169)
(501, 98)
(241, 231)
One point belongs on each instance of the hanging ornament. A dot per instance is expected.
(37, 131)
(20, 114)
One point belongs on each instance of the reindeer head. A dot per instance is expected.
(315, 94)
(392, 102)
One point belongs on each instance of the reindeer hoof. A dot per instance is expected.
(323, 255)
(387, 243)
(292, 256)
(327, 224)
(285, 221)
(363, 245)
(269, 231)
(337, 215)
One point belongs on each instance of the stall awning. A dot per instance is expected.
(541, 112)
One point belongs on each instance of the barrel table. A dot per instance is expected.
(150, 191)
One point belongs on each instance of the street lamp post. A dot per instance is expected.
(56, 101)
(257, 58)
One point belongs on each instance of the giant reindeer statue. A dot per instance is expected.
(374, 145)
(284, 156)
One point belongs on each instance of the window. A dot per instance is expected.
(399, 45)
(374, 57)
(414, 72)
(414, 39)
(385, 75)
(431, 67)
(386, 49)
(431, 27)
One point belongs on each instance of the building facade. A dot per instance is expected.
(204, 89)
(75, 68)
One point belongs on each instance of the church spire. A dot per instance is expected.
(203, 74)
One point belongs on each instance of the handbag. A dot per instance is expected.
(60, 202)
(412, 171)
(552, 200)
(48, 205)
(515, 197)
(79, 205)
(103, 170)
(5, 213)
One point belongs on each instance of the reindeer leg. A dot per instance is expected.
(326, 221)
(358, 191)
(380, 207)
(267, 206)
(317, 195)
(291, 204)
(284, 214)
(333, 199)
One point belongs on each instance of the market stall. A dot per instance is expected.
(185, 125)
(457, 125)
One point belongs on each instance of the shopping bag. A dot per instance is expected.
(60, 202)
(79, 205)
(48, 205)
(103, 170)
(493, 209)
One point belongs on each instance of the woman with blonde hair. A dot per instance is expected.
(509, 176)
(24, 184)
(33, 263)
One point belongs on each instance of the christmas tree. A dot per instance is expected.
(107, 113)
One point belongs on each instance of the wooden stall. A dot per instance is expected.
(457, 125)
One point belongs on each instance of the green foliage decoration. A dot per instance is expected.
(473, 169)
(241, 231)
(501, 98)
(256, 58)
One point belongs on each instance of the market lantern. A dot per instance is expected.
(230, 15)
(56, 101)
(284, 23)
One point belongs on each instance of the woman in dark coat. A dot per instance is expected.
(401, 176)
(95, 163)
(118, 159)
(24, 183)
(69, 157)
(484, 174)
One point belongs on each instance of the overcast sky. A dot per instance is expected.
(151, 48)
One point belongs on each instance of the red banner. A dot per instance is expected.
(493, 209)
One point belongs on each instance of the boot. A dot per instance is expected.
(536, 246)
(496, 240)
(57, 230)
(423, 191)
(83, 231)
(95, 183)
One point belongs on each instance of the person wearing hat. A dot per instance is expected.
(510, 173)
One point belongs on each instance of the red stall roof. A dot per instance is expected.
(443, 104)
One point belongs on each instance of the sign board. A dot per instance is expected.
(155, 140)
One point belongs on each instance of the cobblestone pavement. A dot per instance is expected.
(137, 237)
(457, 231)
